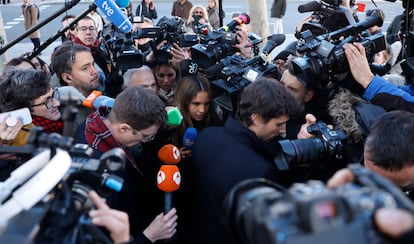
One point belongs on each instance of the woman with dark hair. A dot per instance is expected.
(194, 100)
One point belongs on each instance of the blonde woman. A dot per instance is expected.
(197, 21)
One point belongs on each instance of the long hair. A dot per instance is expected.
(187, 90)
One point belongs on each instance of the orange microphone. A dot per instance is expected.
(168, 180)
(88, 102)
(169, 154)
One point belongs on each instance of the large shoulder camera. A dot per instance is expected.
(55, 183)
(262, 212)
(327, 16)
(218, 44)
(234, 72)
(172, 31)
(323, 55)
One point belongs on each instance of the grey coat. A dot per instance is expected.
(278, 9)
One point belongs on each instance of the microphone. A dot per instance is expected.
(190, 135)
(96, 99)
(114, 14)
(168, 180)
(272, 42)
(309, 7)
(169, 154)
(243, 18)
(174, 117)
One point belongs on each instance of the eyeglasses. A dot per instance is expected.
(49, 101)
(85, 28)
(145, 138)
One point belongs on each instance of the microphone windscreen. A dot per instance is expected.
(88, 102)
(168, 178)
(114, 14)
(190, 135)
(174, 117)
(103, 101)
(169, 154)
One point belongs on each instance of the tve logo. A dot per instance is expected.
(114, 14)
(107, 9)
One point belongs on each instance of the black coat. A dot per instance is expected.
(222, 157)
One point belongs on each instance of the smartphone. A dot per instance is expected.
(22, 114)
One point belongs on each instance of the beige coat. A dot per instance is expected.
(30, 19)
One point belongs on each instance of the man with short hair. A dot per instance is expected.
(389, 149)
(141, 76)
(70, 33)
(224, 156)
(74, 66)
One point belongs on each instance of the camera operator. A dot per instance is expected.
(198, 21)
(376, 89)
(223, 156)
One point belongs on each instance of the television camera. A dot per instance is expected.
(235, 73)
(259, 211)
(127, 56)
(323, 55)
(49, 192)
(218, 44)
(327, 16)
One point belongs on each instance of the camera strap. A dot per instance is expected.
(37, 187)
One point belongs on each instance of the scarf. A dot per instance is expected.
(100, 138)
(93, 47)
(49, 126)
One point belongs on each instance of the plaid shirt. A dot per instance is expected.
(100, 138)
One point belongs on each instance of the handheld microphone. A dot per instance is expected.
(96, 99)
(272, 42)
(169, 154)
(174, 117)
(243, 18)
(168, 180)
(190, 135)
(114, 14)
(309, 7)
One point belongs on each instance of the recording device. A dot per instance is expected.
(172, 31)
(233, 73)
(260, 211)
(324, 57)
(218, 44)
(190, 135)
(61, 174)
(327, 143)
(174, 116)
(114, 14)
(169, 154)
(22, 114)
(327, 16)
(169, 177)
(168, 181)
(243, 18)
(96, 100)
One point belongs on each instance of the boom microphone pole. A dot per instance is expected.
(68, 5)
(221, 12)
